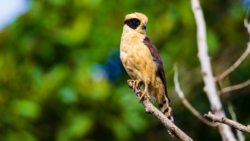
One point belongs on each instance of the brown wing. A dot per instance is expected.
(158, 62)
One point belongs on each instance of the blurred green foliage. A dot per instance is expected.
(51, 87)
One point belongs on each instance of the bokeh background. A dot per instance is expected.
(61, 77)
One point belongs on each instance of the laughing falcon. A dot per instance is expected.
(142, 61)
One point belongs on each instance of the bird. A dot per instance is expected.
(143, 63)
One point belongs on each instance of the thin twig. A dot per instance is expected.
(186, 103)
(210, 87)
(233, 115)
(149, 108)
(234, 87)
(247, 25)
(229, 122)
(240, 60)
(235, 65)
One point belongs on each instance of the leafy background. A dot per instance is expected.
(61, 77)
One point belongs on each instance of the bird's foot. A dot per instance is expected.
(143, 95)
(135, 83)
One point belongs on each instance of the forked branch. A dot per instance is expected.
(186, 103)
(210, 87)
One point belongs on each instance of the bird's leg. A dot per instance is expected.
(145, 92)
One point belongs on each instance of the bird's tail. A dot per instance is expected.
(165, 107)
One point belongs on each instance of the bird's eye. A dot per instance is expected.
(136, 21)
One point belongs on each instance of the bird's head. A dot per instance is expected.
(136, 22)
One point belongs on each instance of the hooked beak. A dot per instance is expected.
(144, 26)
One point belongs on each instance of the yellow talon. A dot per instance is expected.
(135, 83)
(144, 94)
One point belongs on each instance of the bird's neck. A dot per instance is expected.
(129, 34)
(128, 30)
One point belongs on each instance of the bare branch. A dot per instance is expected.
(149, 108)
(247, 25)
(235, 65)
(233, 115)
(240, 60)
(186, 103)
(210, 87)
(234, 87)
(229, 122)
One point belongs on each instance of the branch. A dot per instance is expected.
(149, 108)
(186, 103)
(235, 65)
(229, 122)
(233, 115)
(210, 87)
(240, 60)
(234, 87)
